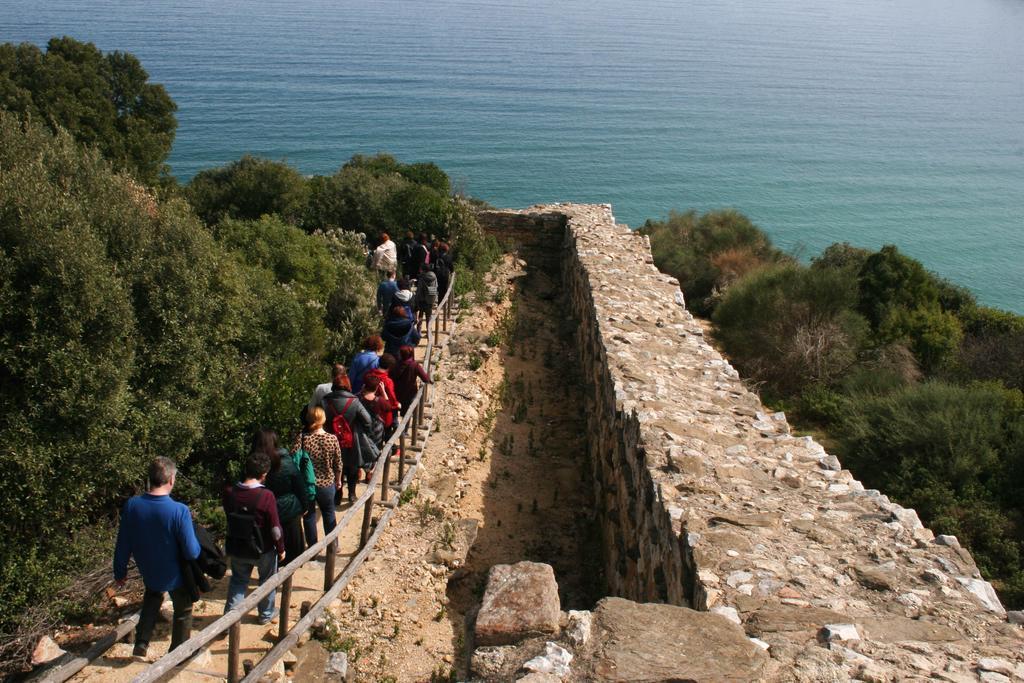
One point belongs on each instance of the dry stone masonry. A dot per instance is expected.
(707, 500)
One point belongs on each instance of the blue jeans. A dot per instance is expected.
(325, 501)
(241, 571)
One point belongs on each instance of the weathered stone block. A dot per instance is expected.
(521, 600)
(650, 642)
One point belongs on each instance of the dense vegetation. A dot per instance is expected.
(138, 321)
(914, 385)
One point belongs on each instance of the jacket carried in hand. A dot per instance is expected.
(210, 563)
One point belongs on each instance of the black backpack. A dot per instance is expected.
(245, 540)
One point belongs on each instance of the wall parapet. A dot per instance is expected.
(707, 499)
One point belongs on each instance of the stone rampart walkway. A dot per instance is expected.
(710, 501)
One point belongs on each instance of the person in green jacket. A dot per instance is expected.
(288, 486)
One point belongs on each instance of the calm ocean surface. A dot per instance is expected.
(873, 121)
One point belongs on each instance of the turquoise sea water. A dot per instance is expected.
(874, 121)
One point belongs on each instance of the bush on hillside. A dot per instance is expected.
(709, 253)
(955, 454)
(248, 189)
(104, 101)
(903, 303)
(791, 327)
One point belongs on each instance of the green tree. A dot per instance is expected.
(104, 101)
(248, 189)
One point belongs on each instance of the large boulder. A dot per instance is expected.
(521, 601)
(653, 642)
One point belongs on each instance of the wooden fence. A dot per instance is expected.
(409, 438)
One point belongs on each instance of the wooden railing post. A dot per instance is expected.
(364, 534)
(332, 553)
(415, 425)
(423, 403)
(437, 326)
(234, 647)
(286, 608)
(401, 457)
(385, 487)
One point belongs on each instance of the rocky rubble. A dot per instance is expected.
(708, 500)
(619, 641)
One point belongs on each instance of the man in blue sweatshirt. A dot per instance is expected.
(157, 531)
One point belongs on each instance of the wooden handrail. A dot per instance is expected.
(288, 637)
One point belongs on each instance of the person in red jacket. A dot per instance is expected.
(379, 377)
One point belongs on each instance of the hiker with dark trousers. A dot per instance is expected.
(343, 403)
(404, 376)
(420, 256)
(443, 269)
(288, 487)
(386, 291)
(406, 255)
(157, 532)
(325, 453)
(426, 297)
(255, 539)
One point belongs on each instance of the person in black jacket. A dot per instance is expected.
(443, 268)
(285, 482)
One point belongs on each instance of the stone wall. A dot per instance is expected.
(707, 500)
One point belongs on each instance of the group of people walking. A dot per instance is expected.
(273, 507)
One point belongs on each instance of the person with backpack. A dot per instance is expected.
(325, 453)
(349, 421)
(158, 533)
(255, 539)
(321, 390)
(403, 297)
(426, 296)
(288, 487)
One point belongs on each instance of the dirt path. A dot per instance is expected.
(504, 478)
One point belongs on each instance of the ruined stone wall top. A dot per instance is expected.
(835, 580)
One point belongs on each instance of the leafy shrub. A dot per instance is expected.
(953, 453)
(709, 253)
(791, 326)
(248, 189)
